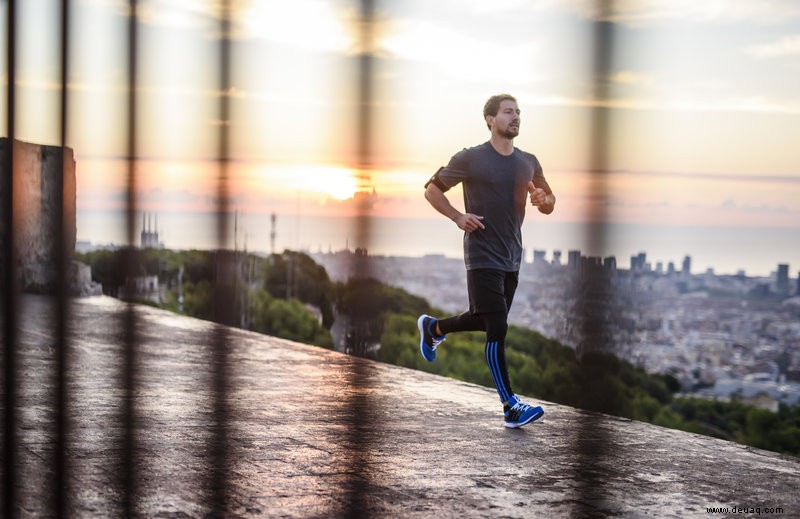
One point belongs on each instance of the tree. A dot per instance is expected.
(198, 299)
(297, 275)
(288, 320)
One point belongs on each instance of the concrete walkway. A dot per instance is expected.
(313, 433)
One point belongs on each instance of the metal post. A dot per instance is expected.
(128, 475)
(9, 278)
(62, 316)
(592, 441)
(361, 432)
(224, 297)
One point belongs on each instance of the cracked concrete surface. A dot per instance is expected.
(314, 433)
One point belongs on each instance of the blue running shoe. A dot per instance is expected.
(518, 413)
(427, 341)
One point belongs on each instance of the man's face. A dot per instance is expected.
(506, 122)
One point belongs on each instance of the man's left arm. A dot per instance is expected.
(542, 196)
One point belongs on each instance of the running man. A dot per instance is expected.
(497, 179)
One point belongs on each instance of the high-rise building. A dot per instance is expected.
(610, 264)
(687, 265)
(574, 260)
(557, 258)
(539, 257)
(782, 279)
(639, 262)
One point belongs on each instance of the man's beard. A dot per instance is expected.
(508, 133)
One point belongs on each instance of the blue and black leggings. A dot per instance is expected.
(491, 293)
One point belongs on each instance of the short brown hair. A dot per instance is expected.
(492, 106)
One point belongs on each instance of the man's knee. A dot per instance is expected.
(496, 326)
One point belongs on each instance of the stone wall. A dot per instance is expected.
(36, 186)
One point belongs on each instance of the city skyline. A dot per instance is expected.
(724, 251)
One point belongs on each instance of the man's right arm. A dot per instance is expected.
(465, 221)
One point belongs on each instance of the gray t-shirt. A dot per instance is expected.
(495, 187)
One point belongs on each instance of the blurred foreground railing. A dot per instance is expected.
(361, 430)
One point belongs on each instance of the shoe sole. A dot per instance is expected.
(420, 324)
(526, 422)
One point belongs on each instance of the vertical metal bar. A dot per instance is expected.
(361, 433)
(62, 258)
(600, 132)
(224, 297)
(129, 474)
(593, 441)
(364, 139)
(365, 80)
(9, 276)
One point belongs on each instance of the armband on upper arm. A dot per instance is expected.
(436, 181)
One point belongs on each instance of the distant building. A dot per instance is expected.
(639, 262)
(539, 257)
(149, 236)
(142, 288)
(574, 260)
(782, 279)
(556, 258)
(687, 265)
(610, 264)
(591, 265)
(762, 400)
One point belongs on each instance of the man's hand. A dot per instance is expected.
(466, 221)
(469, 222)
(538, 195)
(540, 199)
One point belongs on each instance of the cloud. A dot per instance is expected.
(121, 5)
(177, 14)
(466, 56)
(502, 6)
(752, 104)
(731, 205)
(644, 12)
(159, 197)
(786, 46)
(627, 77)
(722, 177)
(311, 25)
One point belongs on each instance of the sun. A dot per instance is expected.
(335, 182)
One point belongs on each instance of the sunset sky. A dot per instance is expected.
(704, 104)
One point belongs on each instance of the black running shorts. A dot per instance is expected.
(491, 290)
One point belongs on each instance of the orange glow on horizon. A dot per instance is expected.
(336, 190)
